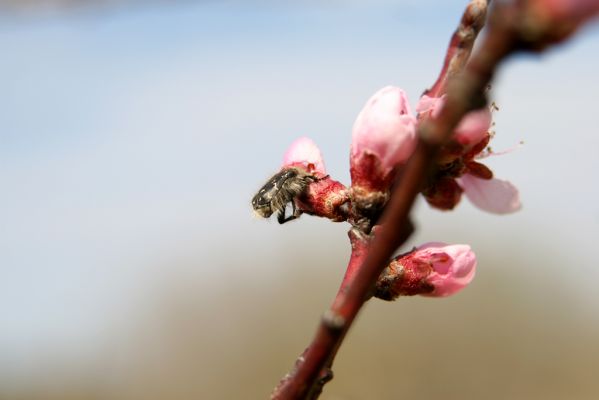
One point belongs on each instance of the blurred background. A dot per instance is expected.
(133, 135)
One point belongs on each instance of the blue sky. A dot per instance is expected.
(129, 139)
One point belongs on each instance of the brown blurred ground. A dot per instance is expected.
(511, 335)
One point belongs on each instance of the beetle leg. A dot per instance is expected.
(296, 212)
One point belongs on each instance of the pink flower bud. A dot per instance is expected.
(383, 137)
(433, 269)
(324, 197)
(304, 152)
(472, 128)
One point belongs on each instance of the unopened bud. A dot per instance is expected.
(323, 197)
(383, 138)
(433, 269)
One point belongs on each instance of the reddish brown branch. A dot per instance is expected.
(359, 248)
(509, 30)
(312, 369)
(460, 45)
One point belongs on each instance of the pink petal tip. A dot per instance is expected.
(454, 267)
(303, 151)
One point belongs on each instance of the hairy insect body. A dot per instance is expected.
(283, 188)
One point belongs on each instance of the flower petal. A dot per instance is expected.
(305, 152)
(493, 195)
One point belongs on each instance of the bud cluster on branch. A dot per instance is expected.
(383, 139)
(397, 154)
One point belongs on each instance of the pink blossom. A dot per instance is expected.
(485, 192)
(433, 269)
(462, 174)
(471, 129)
(383, 137)
(303, 151)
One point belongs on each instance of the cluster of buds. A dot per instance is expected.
(383, 139)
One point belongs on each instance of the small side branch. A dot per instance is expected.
(460, 45)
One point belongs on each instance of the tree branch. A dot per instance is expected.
(509, 29)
